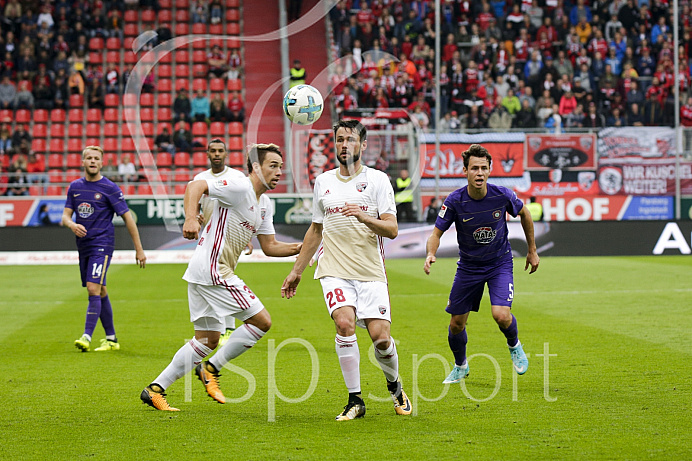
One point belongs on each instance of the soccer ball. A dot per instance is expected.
(303, 104)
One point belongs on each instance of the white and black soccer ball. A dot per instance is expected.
(303, 104)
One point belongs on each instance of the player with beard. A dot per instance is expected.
(479, 212)
(214, 290)
(353, 210)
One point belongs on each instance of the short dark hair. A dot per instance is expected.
(215, 141)
(476, 150)
(354, 125)
(259, 152)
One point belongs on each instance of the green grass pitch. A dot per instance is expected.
(617, 384)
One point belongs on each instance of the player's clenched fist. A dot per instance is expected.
(191, 228)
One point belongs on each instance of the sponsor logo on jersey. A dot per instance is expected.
(85, 210)
(327, 193)
(263, 212)
(252, 208)
(222, 183)
(339, 209)
(382, 309)
(97, 196)
(497, 214)
(443, 210)
(360, 187)
(467, 219)
(247, 225)
(484, 235)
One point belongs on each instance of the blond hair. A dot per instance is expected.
(96, 148)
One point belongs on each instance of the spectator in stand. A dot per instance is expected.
(526, 117)
(75, 83)
(112, 78)
(298, 74)
(35, 168)
(215, 11)
(236, 108)
(96, 96)
(593, 118)
(20, 137)
(127, 170)
(475, 119)
(24, 99)
(511, 103)
(199, 9)
(60, 92)
(5, 138)
(580, 11)
(420, 118)
(567, 103)
(182, 138)
(234, 65)
(8, 92)
(432, 211)
(200, 108)
(218, 112)
(450, 123)
(634, 116)
(346, 101)
(615, 118)
(217, 62)
(115, 24)
(164, 141)
(17, 183)
(182, 106)
(575, 119)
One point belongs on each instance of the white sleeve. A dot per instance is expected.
(267, 226)
(317, 211)
(385, 196)
(228, 191)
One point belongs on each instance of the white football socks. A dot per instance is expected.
(389, 361)
(240, 341)
(349, 359)
(187, 357)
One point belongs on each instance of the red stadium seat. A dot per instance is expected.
(131, 30)
(216, 42)
(110, 158)
(232, 15)
(110, 114)
(74, 145)
(199, 159)
(199, 29)
(235, 84)
(182, 84)
(40, 130)
(182, 28)
(232, 28)
(182, 4)
(130, 57)
(233, 43)
(179, 189)
(216, 84)
(112, 100)
(236, 158)
(93, 115)
(148, 16)
(128, 189)
(147, 114)
(74, 160)
(75, 115)
(216, 29)
(111, 145)
(144, 189)
(164, 159)
(199, 57)
(182, 71)
(129, 100)
(93, 142)
(22, 116)
(233, 3)
(74, 130)
(218, 129)
(182, 15)
(200, 70)
(127, 144)
(57, 145)
(113, 44)
(182, 159)
(163, 125)
(165, 114)
(96, 44)
(111, 130)
(127, 43)
(57, 130)
(165, 85)
(235, 143)
(57, 115)
(182, 57)
(235, 129)
(38, 145)
(76, 101)
(165, 14)
(93, 130)
(165, 71)
(148, 129)
(113, 57)
(182, 176)
(40, 115)
(199, 129)
(165, 100)
(96, 57)
(199, 84)
(56, 160)
(54, 191)
(73, 174)
(130, 16)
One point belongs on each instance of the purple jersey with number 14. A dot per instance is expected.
(481, 224)
(94, 204)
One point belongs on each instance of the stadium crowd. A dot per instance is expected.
(526, 64)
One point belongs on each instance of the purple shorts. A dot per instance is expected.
(93, 268)
(470, 280)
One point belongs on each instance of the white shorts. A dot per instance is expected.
(211, 304)
(371, 299)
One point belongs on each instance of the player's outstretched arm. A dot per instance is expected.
(193, 193)
(431, 247)
(532, 258)
(140, 257)
(272, 247)
(311, 242)
(384, 226)
(77, 229)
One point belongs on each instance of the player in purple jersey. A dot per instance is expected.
(93, 200)
(485, 256)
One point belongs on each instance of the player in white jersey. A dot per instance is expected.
(214, 290)
(217, 153)
(353, 209)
